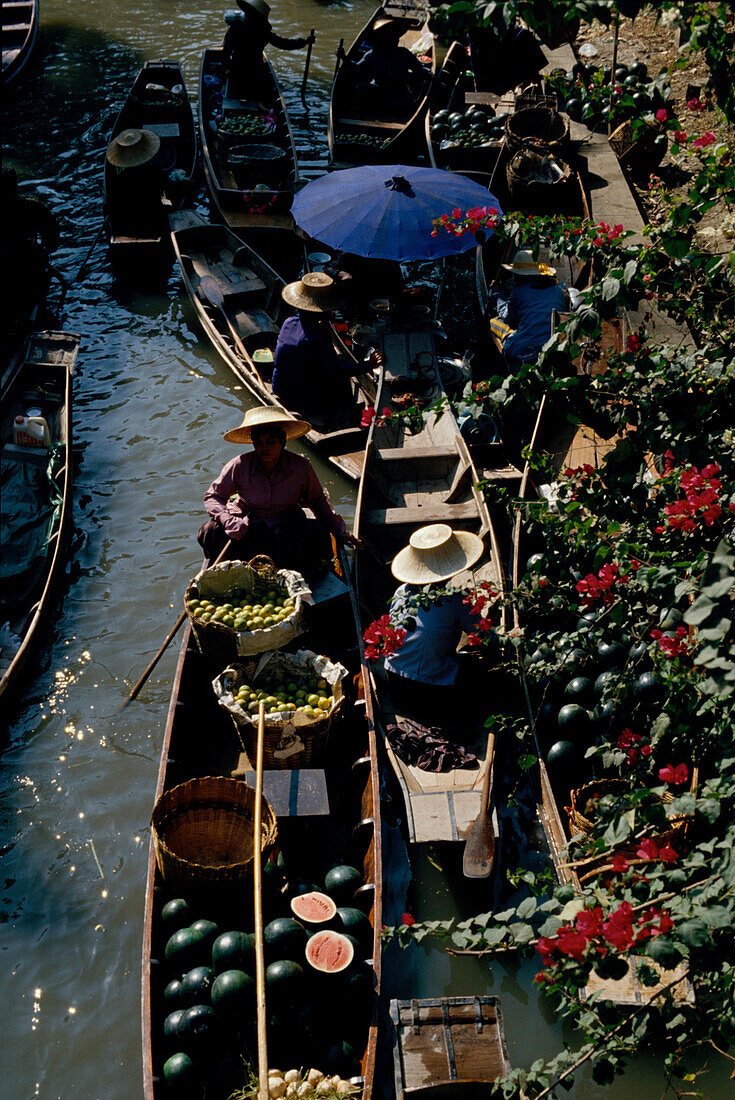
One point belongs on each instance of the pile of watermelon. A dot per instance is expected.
(317, 948)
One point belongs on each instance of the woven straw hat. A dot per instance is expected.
(436, 553)
(132, 148)
(256, 5)
(524, 264)
(314, 292)
(263, 416)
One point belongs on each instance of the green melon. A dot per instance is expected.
(172, 1023)
(573, 720)
(284, 980)
(342, 882)
(341, 1059)
(172, 992)
(284, 938)
(198, 1026)
(353, 922)
(196, 984)
(176, 914)
(208, 929)
(233, 993)
(180, 1074)
(234, 951)
(562, 754)
(184, 948)
(579, 689)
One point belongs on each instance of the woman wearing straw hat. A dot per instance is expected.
(527, 306)
(422, 674)
(308, 374)
(258, 500)
(133, 198)
(248, 33)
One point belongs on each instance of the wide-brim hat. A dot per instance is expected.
(263, 417)
(132, 148)
(315, 292)
(255, 5)
(523, 263)
(436, 553)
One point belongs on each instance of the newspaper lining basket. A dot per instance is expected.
(294, 740)
(203, 832)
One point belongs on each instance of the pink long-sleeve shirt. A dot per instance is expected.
(292, 484)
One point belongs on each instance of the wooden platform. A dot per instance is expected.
(448, 1047)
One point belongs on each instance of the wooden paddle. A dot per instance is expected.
(479, 849)
(263, 1092)
(310, 40)
(167, 642)
(212, 293)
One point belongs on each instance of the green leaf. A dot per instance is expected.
(526, 909)
(699, 610)
(662, 950)
(693, 933)
(522, 933)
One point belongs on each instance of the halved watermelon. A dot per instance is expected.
(313, 908)
(329, 952)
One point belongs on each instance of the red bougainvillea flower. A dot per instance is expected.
(408, 920)
(634, 342)
(667, 854)
(589, 922)
(674, 776)
(647, 849)
(662, 114)
(368, 415)
(618, 928)
(546, 946)
(701, 142)
(382, 639)
(593, 588)
(620, 863)
(695, 104)
(680, 137)
(572, 943)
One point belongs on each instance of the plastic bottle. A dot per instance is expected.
(31, 431)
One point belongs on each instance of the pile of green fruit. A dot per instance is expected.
(373, 140)
(206, 1003)
(586, 94)
(313, 698)
(246, 125)
(242, 611)
(472, 128)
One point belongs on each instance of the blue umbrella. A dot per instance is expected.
(385, 212)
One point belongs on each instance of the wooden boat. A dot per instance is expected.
(410, 480)
(20, 24)
(448, 1048)
(251, 181)
(38, 480)
(454, 95)
(363, 136)
(152, 105)
(237, 298)
(323, 816)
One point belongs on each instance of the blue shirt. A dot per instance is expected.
(429, 651)
(528, 309)
(307, 372)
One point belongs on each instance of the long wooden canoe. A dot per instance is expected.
(311, 837)
(20, 24)
(134, 234)
(246, 325)
(360, 136)
(410, 480)
(37, 482)
(253, 198)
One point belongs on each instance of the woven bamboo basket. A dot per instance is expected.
(203, 832)
(538, 127)
(223, 644)
(639, 155)
(544, 197)
(294, 740)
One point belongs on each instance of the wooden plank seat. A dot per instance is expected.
(415, 454)
(371, 123)
(440, 513)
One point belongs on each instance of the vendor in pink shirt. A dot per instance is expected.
(259, 498)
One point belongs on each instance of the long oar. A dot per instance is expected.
(169, 638)
(479, 849)
(263, 1092)
(212, 293)
(311, 39)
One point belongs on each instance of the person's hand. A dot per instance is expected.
(311, 39)
(235, 526)
(375, 359)
(348, 539)
(341, 55)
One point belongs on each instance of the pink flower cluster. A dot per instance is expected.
(369, 414)
(701, 142)
(601, 587)
(672, 645)
(477, 600)
(633, 745)
(606, 233)
(634, 343)
(619, 932)
(382, 638)
(701, 500)
(471, 221)
(579, 471)
(675, 775)
(696, 105)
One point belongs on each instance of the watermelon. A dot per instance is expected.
(234, 951)
(638, 651)
(573, 658)
(176, 914)
(313, 908)
(198, 1026)
(233, 993)
(172, 992)
(284, 938)
(184, 948)
(353, 922)
(300, 886)
(573, 720)
(181, 1075)
(612, 653)
(562, 754)
(579, 689)
(342, 882)
(341, 1059)
(606, 681)
(172, 1023)
(284, 980)
(330, 952)
(195, 985)
(206, 928)
(647, 687)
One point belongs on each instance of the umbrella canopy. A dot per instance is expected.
(386, 212)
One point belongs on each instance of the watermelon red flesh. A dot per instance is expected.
(329, 952)
(313, 908)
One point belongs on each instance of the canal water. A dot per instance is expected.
(151, 404)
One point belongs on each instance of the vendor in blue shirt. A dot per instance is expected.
(309, 376)
(527, 305)
(423, 672)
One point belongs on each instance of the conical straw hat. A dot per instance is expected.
(266, 415)
(436, 553)
(524, 264)
(315, 292)
(132, 148)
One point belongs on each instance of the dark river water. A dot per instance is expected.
(151, 404)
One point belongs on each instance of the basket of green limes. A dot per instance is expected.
(302, 694)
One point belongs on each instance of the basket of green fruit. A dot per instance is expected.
(303, 695)
(248, 126)
(240, 608)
